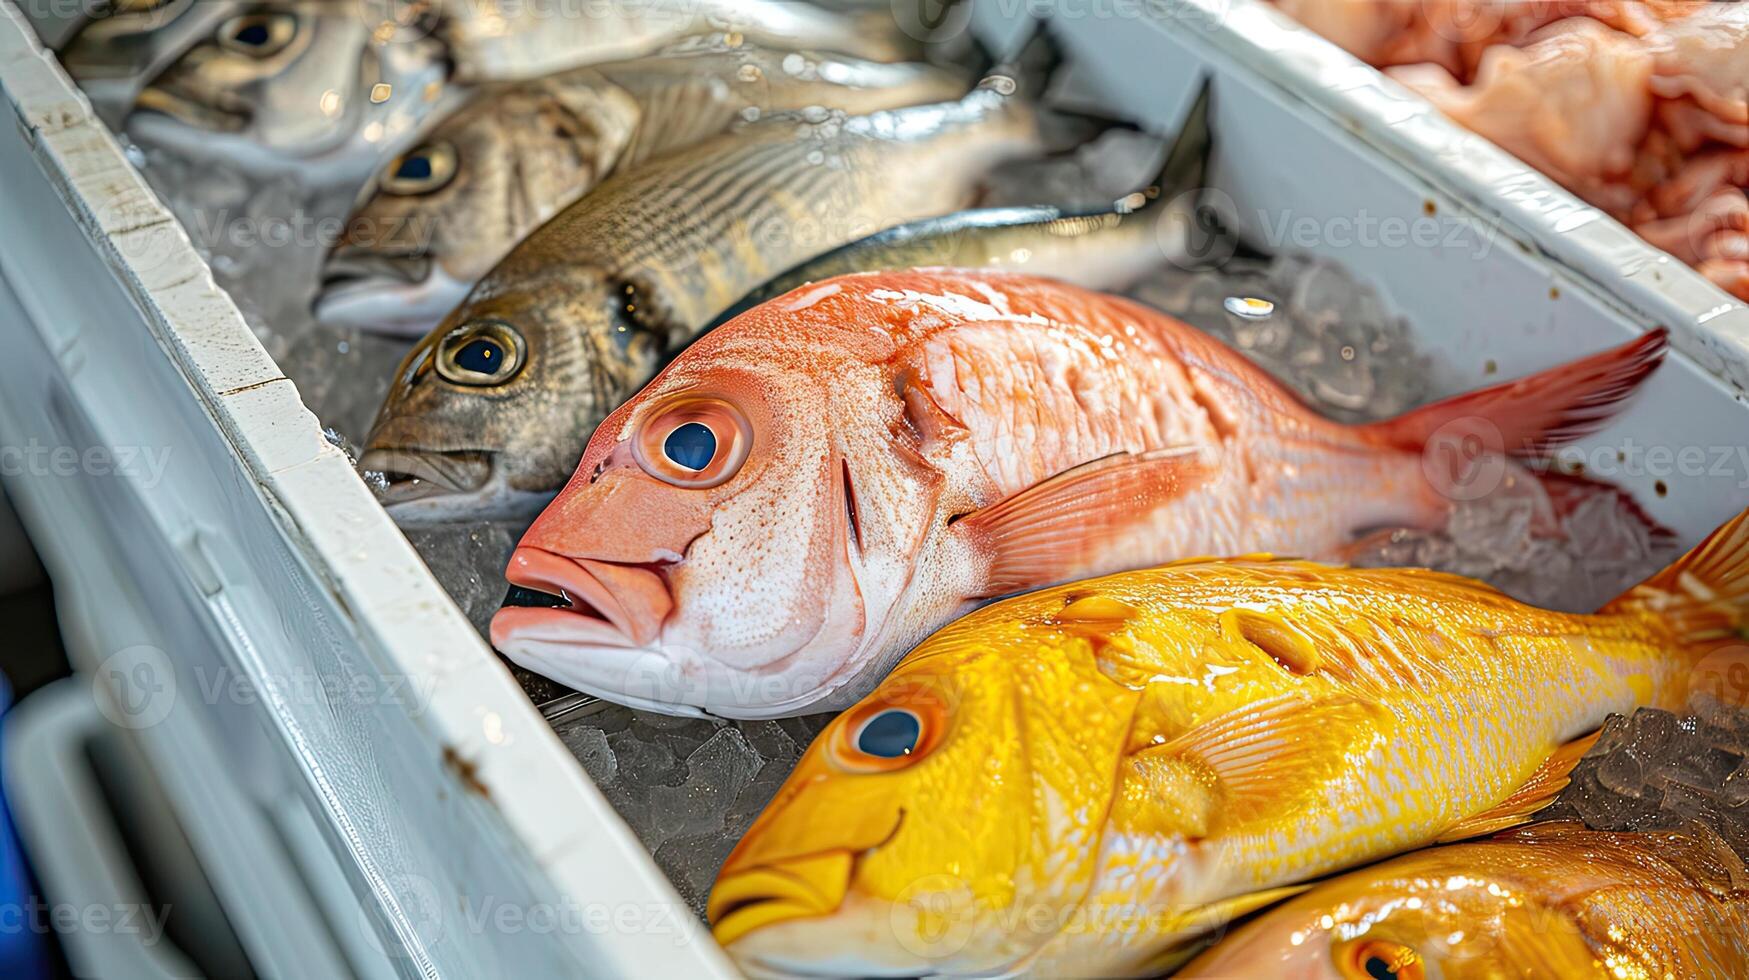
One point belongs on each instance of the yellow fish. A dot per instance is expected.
(1081, 780)
(1552, 900)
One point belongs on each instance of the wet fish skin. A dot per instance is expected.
(1552, 899)
(1099, 773)
(918, 442)
(519, 152)
(514, 39)
(1106, 248)
(114, 55)
(624, 277)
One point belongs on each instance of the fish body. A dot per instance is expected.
(1105, 249)
(509, 40)
(1553, 899)
(591, 304)
(1080, 780)
(893, 449)
(443, 213)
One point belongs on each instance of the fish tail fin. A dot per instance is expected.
(1530, 416)
(1704, 595)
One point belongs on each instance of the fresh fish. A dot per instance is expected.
(1082, 780)
(516, 39)
(490, 411)
(442, 214)
(1104, 249)
(111, 51)
(1552, 899)
(290, 86)
(300, 88)
(811, 488)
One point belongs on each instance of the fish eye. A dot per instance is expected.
(258, 35)
(890, 734)
(481, 353)
(421, 170)
(896, 727)
(693, 442)
(691, 445)
(1378, 959)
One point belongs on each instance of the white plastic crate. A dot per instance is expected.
(212, 594)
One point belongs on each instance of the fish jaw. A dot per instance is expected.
(425, 487)
(410, 305)
(615, 640)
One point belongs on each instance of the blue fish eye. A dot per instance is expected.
(480, 356)
(254, 35)
(692, 446)
(415, 166)
(890, 734)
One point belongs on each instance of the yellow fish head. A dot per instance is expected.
(1449, 913)
(942, 824)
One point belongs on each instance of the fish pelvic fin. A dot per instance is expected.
(1048, 531)
(1538, 791)
(1530, 416)
(1704, 596)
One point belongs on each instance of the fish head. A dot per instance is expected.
(947, 824)
(1453, 913)
(484, 415)
(281, 88)
(759, 481)
(439, 216)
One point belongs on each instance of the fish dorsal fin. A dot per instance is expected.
(1047, 531)
(1537, 791)
(1265, 755)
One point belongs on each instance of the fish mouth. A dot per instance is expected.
(631, 600)
(423, 486)
(219, 111)
(414, 474)
(349, 264)
(802, 888)
(602, 636)
(773, 891)
(405, 294)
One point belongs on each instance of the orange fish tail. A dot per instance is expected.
(1704, 596)
(1531, 416)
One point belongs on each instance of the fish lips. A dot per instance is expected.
(424, 486)
(750, 897)
(398, 294)
(604, 639)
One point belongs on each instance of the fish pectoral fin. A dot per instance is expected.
(1267, 757)
(1537, 792)
(1044, 533)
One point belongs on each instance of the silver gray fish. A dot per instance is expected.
(490, 412)
(515, 39)
(1103, 249)
(442, 214)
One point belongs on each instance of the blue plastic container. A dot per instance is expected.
(23, 953)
